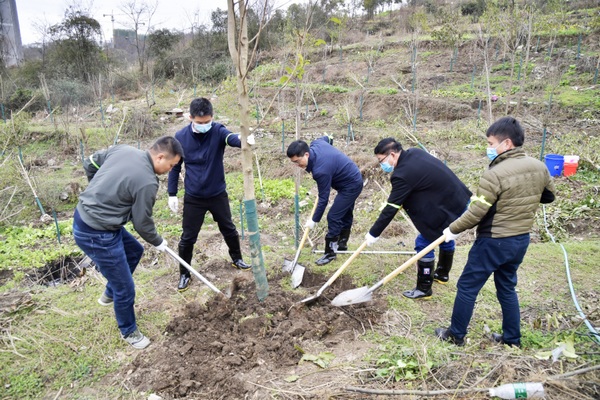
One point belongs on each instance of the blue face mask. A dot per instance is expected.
(386, 167)
(492, 153)
(202, 128)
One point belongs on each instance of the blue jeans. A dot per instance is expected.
(488, 256)
(116, 254)
(421, 243)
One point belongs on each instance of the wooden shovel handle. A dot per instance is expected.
(312, 212)
(348, 261)
(413, 259)
(192, 270)
(304, 236)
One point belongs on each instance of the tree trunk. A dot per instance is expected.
(238, 49)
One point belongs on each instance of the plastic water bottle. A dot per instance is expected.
(527, 390)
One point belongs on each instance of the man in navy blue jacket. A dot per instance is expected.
(331, 169)
(204, 143)
(432, 196)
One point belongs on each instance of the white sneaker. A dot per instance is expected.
(137, 339)
(104, 300)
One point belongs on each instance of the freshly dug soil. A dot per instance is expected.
(215, 350)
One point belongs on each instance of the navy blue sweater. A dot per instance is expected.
(331, 169)
(204, 171)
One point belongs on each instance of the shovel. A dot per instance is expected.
(196, 273)
(293, 267)
(364, 294)
(335, 276)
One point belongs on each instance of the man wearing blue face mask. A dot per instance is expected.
(432, 196)
(204, 143)
(503, 210)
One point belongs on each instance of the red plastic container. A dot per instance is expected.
(569, 169)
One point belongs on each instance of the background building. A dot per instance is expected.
(11, 48)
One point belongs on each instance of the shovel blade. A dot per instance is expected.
(352, 296)
(297, 275)
(288, 266)
(309, 299)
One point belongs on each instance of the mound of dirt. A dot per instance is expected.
(214, 350)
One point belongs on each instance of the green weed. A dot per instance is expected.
(388, 91)
(41, 242)
(398, 358)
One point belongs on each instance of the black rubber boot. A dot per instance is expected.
(185, 252)
(444, 266)
(331, 245)
(343, 242)
(445, 335)
(235, 252)
(424, 281)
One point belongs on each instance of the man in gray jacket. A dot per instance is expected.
(123, 187)
(503, 210)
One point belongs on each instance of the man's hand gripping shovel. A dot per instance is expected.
(293, 267)
(196, 273)
(364, 294)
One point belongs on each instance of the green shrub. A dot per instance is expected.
(66, 92)
(20, 97)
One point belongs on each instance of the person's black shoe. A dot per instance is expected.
(445, 335)
(240, 264)
(326, 259)
(498, 338)
(184, 283)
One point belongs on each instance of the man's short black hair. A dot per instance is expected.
(387, 145)
(507, 128)
(297, 148)
(200, 107)
(168, 145)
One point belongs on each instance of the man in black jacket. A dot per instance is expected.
(432, 196)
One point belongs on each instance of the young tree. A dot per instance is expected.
(75, 52)
(239, 45)
(140, 15)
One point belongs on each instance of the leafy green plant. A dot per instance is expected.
(41, 242)
(386, 91)
(467, 94)
(397, 359)
(322, 359)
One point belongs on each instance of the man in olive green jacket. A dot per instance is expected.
(503, 209)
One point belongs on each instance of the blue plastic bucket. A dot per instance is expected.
(555, 163)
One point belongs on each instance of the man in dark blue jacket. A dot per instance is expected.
(432, 196)
(331, 169)
(204, 142)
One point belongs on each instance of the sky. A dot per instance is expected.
(170, 14)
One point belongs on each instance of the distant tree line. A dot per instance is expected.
(74, 64)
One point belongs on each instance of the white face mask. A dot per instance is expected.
(202, 128)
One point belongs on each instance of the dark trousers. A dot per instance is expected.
(421, 243)
(194, 211)
(117, 254)
(488, 256)
(341, 213)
